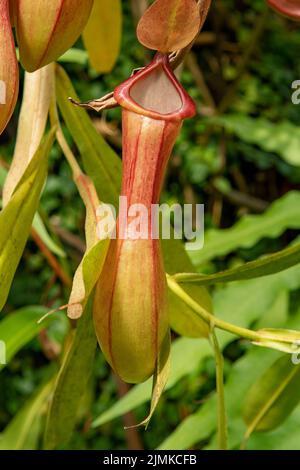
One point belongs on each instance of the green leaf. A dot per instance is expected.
(86, 277)
(186, 355)
(100, 162)
(281, 339)
(282, 138)
(89, 270)
(76, 56)
(277, 315)
(41, 230)
(20, 327)
(36, 99)
(269, 264)
(71, 382)
(3, 174)
(38, 224)
(183, 319)
(202, 424)
(281, 215)
(263, 294)
(16, 218)
(195, 428)
(244, 302)
(105, 23)
(160, 377)
(24, 430)
(286, 437)
(273, 396)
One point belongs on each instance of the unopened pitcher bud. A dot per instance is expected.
(45, 30)
(9, 73)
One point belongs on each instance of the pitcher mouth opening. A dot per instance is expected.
(156, 93)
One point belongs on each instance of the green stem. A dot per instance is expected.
(209, 318)
(54, 118)
(222, 420)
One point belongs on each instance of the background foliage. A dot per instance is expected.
(240, 157)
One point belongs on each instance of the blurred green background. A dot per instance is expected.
(240, 156)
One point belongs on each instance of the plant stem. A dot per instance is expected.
(31, 125)
(208, 317)
(133, 437)
(54, 118)
(52, 260)
(222, 420)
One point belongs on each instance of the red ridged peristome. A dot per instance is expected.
(130, 306)
(46, 29)
(289, 8)
(9, 73)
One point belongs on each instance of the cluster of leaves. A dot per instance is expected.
(240, 157)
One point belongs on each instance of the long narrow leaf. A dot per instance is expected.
(186, 354)
(282, 138)
(20, 327)
(99, 160)
(71, 382)
(105, 23)
(267, 265)
(284, 213)
(16, 218)
(24, 430)
(273, 397)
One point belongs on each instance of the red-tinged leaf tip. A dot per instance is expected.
(169, 25)
(288, 8)
(9, 72)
